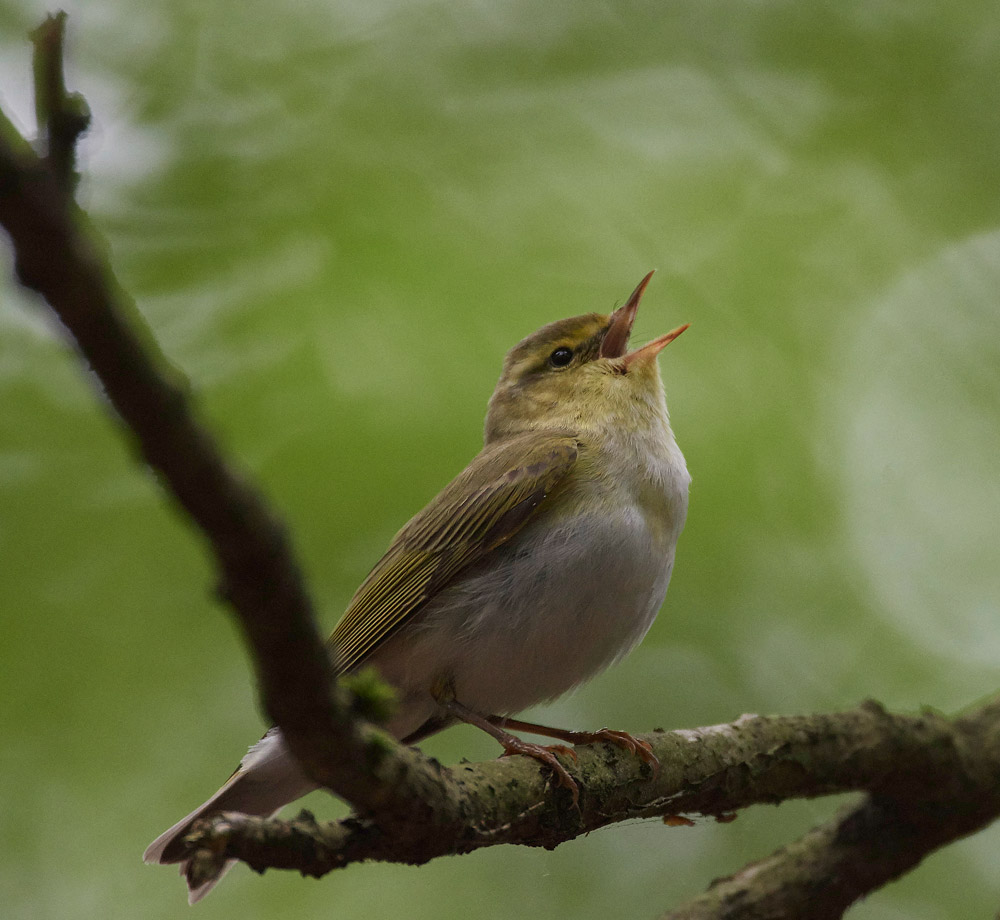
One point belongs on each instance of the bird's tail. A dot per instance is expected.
(267, 779)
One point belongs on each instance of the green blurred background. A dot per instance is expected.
(337, 217)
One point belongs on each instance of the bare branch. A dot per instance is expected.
(932, 780)
(868, 844)
(62, 117)
(57, 255)
(928, 779)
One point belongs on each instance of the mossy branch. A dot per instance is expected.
(926, 779)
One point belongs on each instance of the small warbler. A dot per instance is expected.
(545, 560)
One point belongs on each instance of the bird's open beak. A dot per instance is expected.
(649, 351)
(620, 328)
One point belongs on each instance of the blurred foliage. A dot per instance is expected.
(337, 217)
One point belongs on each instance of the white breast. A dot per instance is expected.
(554, 606)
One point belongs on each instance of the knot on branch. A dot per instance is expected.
(62, 116)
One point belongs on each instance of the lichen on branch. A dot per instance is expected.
(925, 780)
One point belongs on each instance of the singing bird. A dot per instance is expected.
(544, 561)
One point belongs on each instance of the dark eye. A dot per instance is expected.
(561, 356)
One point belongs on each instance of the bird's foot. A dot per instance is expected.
(545, 754)
(636, 746)
(512, 744)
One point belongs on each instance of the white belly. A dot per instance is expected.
(554, 607)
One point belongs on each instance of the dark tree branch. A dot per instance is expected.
(931, 781)
(62, 117)
(928, 780)
(872, 842)
(56, 254)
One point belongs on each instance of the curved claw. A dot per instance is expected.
(636, 746)
(564, 750)
(546, 755)
(554, 748)
(512, 744)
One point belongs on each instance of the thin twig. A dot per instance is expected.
(62, 116)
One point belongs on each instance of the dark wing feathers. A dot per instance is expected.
(479, 510)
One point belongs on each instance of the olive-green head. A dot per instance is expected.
(577, 373)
